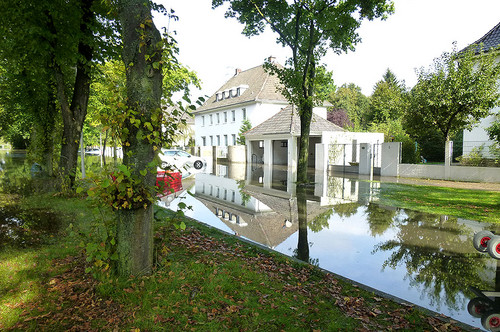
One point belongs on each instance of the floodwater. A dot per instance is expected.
(337, 224)
(25, 228)
(19, 227)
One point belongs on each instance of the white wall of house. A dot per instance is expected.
(221, 127)
(349, 142)
(478, 136)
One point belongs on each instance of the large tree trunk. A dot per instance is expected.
(305, 126)
(305, 111)
(144, 83)
(74, 114)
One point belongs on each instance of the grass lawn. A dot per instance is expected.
(203, 281)
(463, 203)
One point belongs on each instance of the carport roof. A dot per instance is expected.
(287, 121)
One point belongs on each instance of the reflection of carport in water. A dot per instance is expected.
(275, 141)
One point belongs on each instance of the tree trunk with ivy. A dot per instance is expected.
(142, 55)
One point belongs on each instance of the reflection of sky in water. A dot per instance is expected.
(199, 211)
(347, 247)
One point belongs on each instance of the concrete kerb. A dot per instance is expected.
(377, 292)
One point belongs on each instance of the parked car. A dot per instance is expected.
(181, 160)
(94, 152)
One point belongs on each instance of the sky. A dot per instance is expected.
(418, 32)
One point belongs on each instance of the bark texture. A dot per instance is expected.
(144, 84)
(74, 113)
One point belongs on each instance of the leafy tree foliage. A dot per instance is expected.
(51, 46)
(308, 29)
(339, 117)
(455, 94)
(245, 126)
(356, 105)
(387, 103)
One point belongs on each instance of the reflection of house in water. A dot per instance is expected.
(262, 206)
(247, 216)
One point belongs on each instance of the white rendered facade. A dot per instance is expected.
(221, 127)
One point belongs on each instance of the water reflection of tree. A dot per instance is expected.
(346, 210)
(320, 221)
(436, 256)
(303, 245)
(379, 218)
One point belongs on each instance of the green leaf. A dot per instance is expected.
(182, 225)
(143, 172)
(105, 183)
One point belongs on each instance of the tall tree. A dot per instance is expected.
(53, 43)
(387, 103)
(456, 93)
(308, 28)
(142, 55)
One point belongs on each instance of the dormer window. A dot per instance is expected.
(223, 95)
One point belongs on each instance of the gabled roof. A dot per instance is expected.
(287, 121)
(261, 86)
(490, 40)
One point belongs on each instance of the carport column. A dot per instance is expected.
(391, 157)
(268, 152)
(448, 156)
(321, 157)
(248, 144)
(292, 152)
(365, 158)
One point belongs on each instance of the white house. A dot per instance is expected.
(251, 94)
(478, 136)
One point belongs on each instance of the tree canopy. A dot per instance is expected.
(309, 28)
(460, 89)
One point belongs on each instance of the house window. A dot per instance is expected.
(211, 119)
(234, 139)
(202, 120)
(218, 118)
(203, 141)
(284, 144)
(233, 115)
(216, 97)
(244, 113)
(218, 140)
(233, 195)
(225, 140)
(211, 140)
(223, 94)
(237, 91)
(261, 144)
(225, 117)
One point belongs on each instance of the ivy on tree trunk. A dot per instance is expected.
(142, 50)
